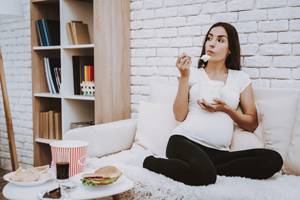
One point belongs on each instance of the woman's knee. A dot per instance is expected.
(272, 163)
(275, 160)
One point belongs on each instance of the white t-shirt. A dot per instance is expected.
(214, 129)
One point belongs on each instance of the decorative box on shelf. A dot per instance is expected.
(88, 88)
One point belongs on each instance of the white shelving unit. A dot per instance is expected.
(74, 108)
(108, 21)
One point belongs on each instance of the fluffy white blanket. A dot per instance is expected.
(149, 185)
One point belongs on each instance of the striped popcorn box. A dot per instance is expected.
(72, 151)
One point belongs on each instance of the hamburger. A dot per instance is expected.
(102, 176)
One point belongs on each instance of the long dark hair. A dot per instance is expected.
(233, 60)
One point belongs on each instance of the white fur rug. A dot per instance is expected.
(149, 185)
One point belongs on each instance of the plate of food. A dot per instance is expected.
(102, 176)
(30, 177)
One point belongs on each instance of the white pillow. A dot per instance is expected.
(243, 140)
(277, 117)
(163, 92)
(106, 138)
(155, 125)
(292, 165)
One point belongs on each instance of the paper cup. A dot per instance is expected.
(74, 150)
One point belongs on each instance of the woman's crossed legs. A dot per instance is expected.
(195, 164)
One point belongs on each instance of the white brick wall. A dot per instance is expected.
(15, 46)
(269, 32)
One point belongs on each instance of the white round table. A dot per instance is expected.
(123, 184)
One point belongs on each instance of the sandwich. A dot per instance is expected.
(102, 176)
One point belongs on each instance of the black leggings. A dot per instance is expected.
(195, 164)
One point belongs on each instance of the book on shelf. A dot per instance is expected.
(46, 125)
(53, 74)
(78, 32)
(57, 73)
(83, 70)
(50, 125)
(57, 125)
(87, 84)
(43, 125)
(48, 32)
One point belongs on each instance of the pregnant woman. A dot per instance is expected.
(206, 105)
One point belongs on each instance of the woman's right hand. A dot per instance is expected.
(183, 64)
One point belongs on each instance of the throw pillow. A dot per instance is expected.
(277, 116)
(243, 140)
(163, 92)
(155, 124)
(292, 165)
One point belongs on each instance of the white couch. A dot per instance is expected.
(120, 143)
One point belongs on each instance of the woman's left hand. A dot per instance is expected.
(217, 105)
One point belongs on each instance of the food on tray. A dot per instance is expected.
(29, 175)
(205, 57)
(53, 194)
(102, 176)
(41, 169)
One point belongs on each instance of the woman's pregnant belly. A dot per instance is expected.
(215, 129)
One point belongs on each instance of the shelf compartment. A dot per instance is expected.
(44, 105)
(76, 111)
(67, 70)
(42, 10)
(38, 70)
(42, 149)
(76, 11)
(43, 152)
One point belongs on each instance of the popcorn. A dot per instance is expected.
(205, 57)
